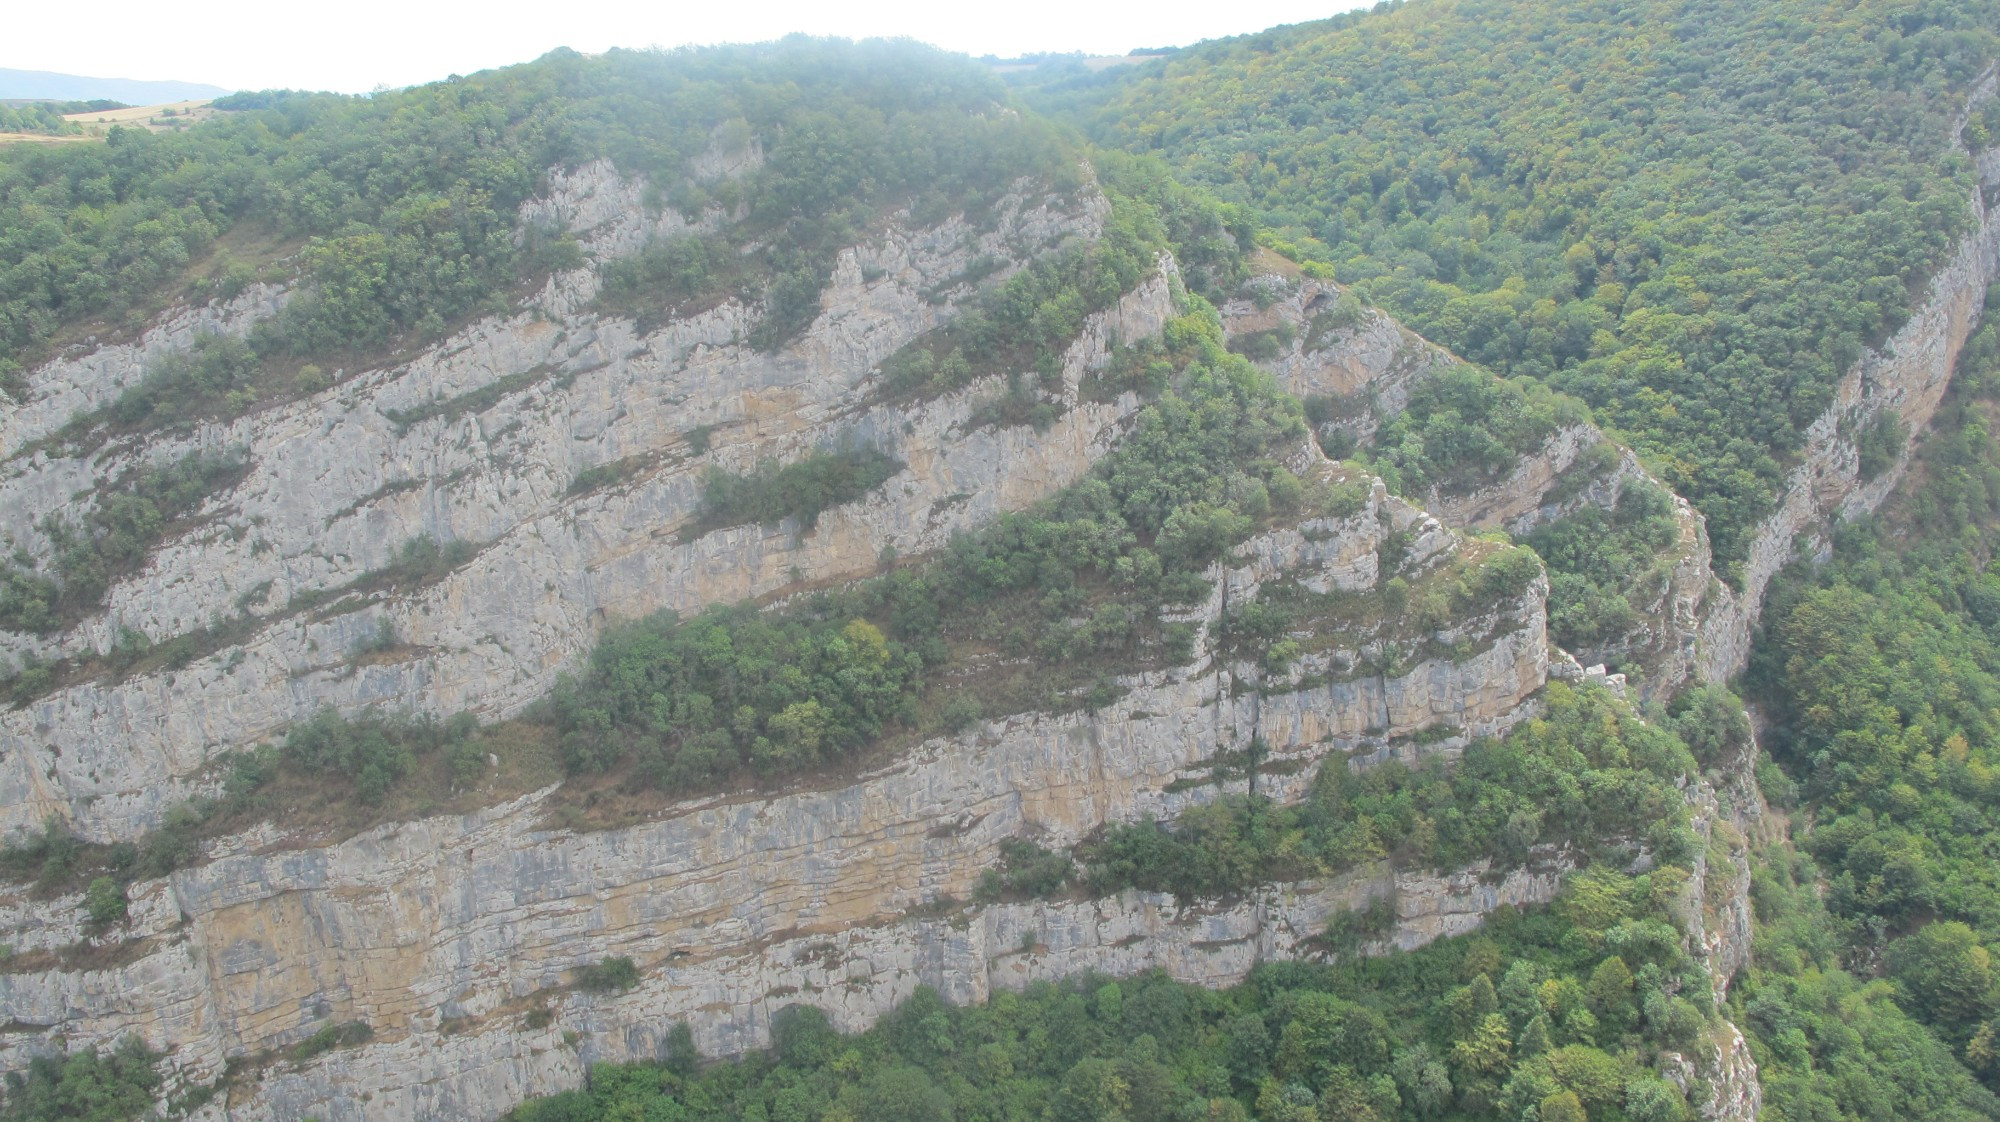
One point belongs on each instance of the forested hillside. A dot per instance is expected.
(1878, 676)
(403, 207)
(1692, 216)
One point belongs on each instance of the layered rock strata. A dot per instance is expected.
(443, 934)
(479, 441)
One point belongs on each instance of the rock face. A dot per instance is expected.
(442, 934)
(1364, 365)
(1358, 357)
(95, 377)
(1729, 810)
(478, 440)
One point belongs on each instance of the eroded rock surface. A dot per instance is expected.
(442, 934)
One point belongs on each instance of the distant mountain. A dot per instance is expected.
(71, 87)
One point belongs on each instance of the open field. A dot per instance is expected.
(39, 138)
(157, 118)
(153, 118)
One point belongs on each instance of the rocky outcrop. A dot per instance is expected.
(1695, 626)
(1361, 366)
(1716, 912)
(479, 440)
(94, 375)
(1358, 358)
(443, 934)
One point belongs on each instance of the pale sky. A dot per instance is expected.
(358, 45)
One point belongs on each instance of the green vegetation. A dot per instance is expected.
(104, 901)
(692, 702)
(84, 1087)
(1587, 775)
(1691, 216)
(111, 540)
(216, 374)
(406, 201)
(1464, 428)
(687, 703)
(1026, 869)
(478, 400)
(607, 475)
(1287, 619)
(326, 1038)
(800, 489)
(1881, 679)
(39, 118)
(345, 772)
(613, 975)
(1832, 1041)
(1600, 560)
(666, 277)
(1567, 1011)
(374, 752)
(45, 118)
(1024, 324)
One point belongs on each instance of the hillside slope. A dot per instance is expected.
(734, 545)
(1692, 217)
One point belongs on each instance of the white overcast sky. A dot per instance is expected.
(358, 45)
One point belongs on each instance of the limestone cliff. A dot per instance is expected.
(478, 440)
(1362, 365)
(444, 933)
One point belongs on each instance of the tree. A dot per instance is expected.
(1488, 1050)
(1610, 990)
(906, 1094)
(1650, 1099)
(1946, 971)
(1563, 1106)
(105, 902)
(682, 1058)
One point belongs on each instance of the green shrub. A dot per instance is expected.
(85, 1085)
(104, 901)
(371, 751)
(348, 1034)
(109, 540)
(801, 489)
(613, 975)
(1026, 869)
(1601, 561)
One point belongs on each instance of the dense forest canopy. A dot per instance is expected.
(1881, 678)
(1693, 215)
